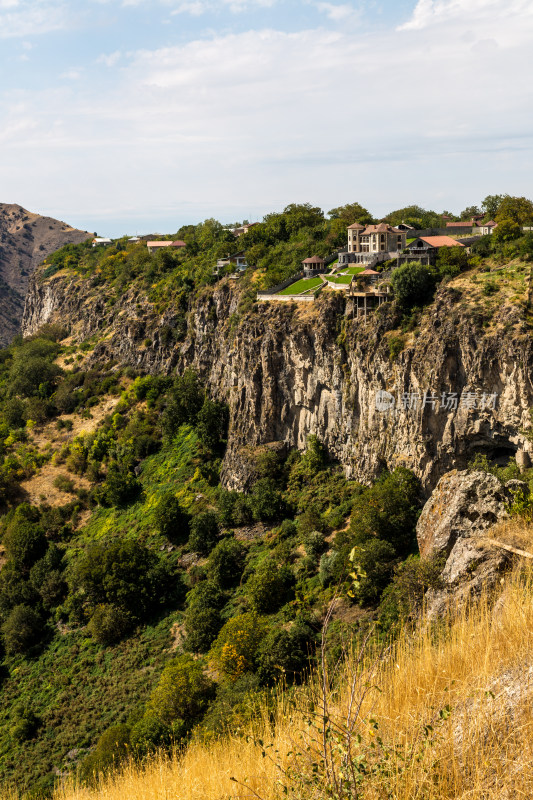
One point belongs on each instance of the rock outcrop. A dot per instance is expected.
(26, 239)
(454, 523)
(288, 370)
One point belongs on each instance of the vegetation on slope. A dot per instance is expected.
(444, 713)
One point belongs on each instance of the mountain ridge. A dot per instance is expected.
(26, 239)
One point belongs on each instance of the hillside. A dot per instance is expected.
(287, 370)
(25, 240)
(202, 503)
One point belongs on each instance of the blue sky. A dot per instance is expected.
(141, 115)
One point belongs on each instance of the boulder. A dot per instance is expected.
(462, 505)
(453, 523)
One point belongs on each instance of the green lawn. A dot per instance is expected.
(408, 241)
(353, 270)
(340, 278)
(302, 286)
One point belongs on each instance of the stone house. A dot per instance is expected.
(426, 248)
(153, 247)
(375, 238)
(313, 265)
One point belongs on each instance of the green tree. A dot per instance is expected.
(204, 533)
(270, 586)
(517, 209)
(237, 646)
(412, 284)
(266, 500)
(185, 401)
(506, 231)
(25, 543)
(286, 654)
(375, 560)
(112, 749)
(389, 510)
(109, 623)
(212, 424)
(201, 627)
(22, 630)
(183, 692)
(451, 261)
(170, 518)
(226, 563)
(491, 204)
(469, 212)
(125, 574)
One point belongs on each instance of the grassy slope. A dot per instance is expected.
(302, 286)
(453, 712)
(77, 687)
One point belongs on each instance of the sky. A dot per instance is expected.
(138, 116)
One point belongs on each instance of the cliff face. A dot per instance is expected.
(287, 372)
(26, 239)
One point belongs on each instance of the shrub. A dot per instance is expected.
(285, 654)
(202, 626)
(226, 563)
(171, 520)
(236, 703)
(64, 483)
(265, 500)
(402, 599)
(375, 561)
(183, 692)
(22, 629)
(14, 412)
(329, 568)
(25, 543)
(212, 424)
(204, 533)
(412, 284)
(389, 510)
(149, 734)
(125, 574)
(314, 544)
(310, 520)
(108, 623)
(236, 649)
(14, 590)
(120, 487)
(26, 725)
(112, 748)
(270, 586)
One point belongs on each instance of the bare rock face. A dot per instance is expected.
(461, 509)
(26, 239)
(287, 371)
(462, 505)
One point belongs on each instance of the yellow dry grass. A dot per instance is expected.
(453, 709)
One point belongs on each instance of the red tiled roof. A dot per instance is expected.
(459, 224)
(441, 241)
(367, 272)
(179, 243)
(356, 226)
(313, 260)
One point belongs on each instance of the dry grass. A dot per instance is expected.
(453, 711)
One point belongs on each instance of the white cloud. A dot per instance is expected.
(71, 74)
(338, 13)
(22, 18)
(195, 9)
(265, 117)
(109, 60)
(429, 13)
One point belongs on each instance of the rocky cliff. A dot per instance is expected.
(287, 371)
(26, 239)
